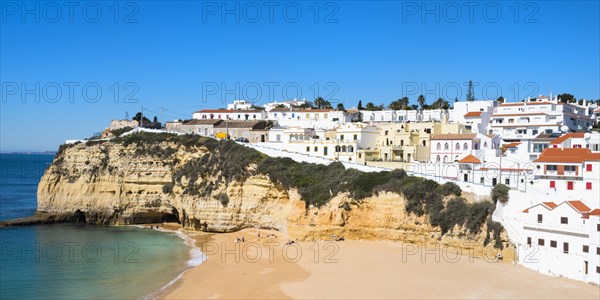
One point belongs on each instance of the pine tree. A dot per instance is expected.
(360, 107)
(470, 94)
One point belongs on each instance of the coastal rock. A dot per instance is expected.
(112, 183)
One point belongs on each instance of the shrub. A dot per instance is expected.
(223, 198)
(476, 215)
(500, 193)
(120, 131)
(450, 188)
(167, 188)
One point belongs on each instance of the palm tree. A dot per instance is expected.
(421, 101)
(404, 102)
(438, 103)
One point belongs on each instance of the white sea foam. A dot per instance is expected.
(196, 258)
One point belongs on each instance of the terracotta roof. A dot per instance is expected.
(453, 136)
(254, 124)
(470, 159)
(559, 140)
(547, 205)
(567, 155)
(511, 145)
(473, 114)
(595, 212)
(203, 122)
(227, 111)
(579, 206)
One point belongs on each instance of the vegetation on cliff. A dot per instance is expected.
(226, 162)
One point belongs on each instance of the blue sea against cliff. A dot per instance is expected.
(70, 261)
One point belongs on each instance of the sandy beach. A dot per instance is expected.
(265, 267)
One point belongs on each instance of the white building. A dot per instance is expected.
(475, 114)
(287, 104)
(309, 118)
(389, 115)
(239, 105)
(225, 114)
(525, 120)
(445, 148)
(562, 240)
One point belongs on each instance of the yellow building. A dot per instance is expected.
(406, 142)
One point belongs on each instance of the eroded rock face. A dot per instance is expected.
(112, 184)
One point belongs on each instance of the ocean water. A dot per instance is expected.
(70, 261)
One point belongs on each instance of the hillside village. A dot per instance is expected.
(543, 149)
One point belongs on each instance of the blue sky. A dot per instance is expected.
(188, 55)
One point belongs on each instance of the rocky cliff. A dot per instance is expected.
(132, 183)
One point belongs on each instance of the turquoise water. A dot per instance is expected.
(68, 261)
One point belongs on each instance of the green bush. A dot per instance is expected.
(500, 193)
(118, 132)
(477, 214)
(450, 188)
(167, 188)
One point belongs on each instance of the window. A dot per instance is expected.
(569, 185)
(553, 244)
(565, 247)
(481, 180)
(439, 146)
(437, 159)
(307, 148)
(552, 183)
(341, 137)
(564, 220)
(529, 241)
(316, 149)
(465, 146)
(507, 181)
(356, 137)
(588, 167)
(386, 132)
(457, 147)
(586, 249)
(570, 168)
(446, 146)
(484, 144)
(598, 269)
(598, 227)
(598, 250)
(588, 185)
(551, 168)
(541, 242)
(540, 218)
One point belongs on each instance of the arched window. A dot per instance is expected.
(446, 147)
(337, 148)
(350, 149)
(438, 158)
(484, 144)
(457, 147)
(445, 158)
(344, 148)
(439, 146)
(465, 146)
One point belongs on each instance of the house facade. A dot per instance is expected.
(225, 114)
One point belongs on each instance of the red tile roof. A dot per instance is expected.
(547, 205)
(470, 159)
(579, 206)
(567, 155)
(574, 135)
(453, 136)
(551, 205)
(227, 111)
(511, 145)
(473, 114)
(595, 212)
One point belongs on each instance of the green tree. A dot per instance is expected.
(500, 193)
(321, 103)
(500, 99)
(370, 106)
(566, 98)
(438, 103)
(404, 101)
(445, 105)
(340, 107)
(421, 101)
(396, 105)
(360, 107)
(470, 93)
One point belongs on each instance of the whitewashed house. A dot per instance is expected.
(309, 118)
(562, 240)
(239, 105)
(475, 114)
(225, 114)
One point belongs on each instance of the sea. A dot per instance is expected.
(75, 261)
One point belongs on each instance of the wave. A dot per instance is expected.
(196, 258)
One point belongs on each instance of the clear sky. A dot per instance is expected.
(66, 71)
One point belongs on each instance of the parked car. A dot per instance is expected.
(242, 140)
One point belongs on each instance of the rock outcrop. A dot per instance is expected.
(112, 183)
